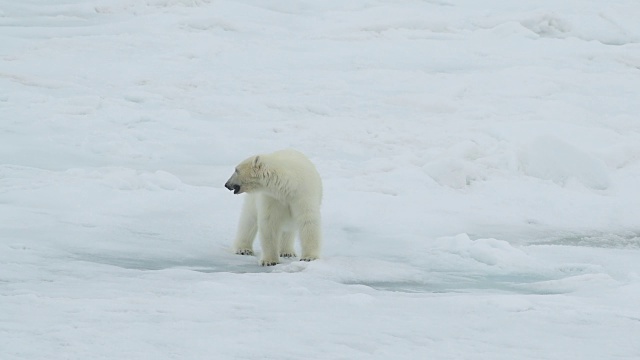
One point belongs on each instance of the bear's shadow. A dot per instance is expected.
(229, 264)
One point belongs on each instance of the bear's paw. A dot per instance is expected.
(244, 252)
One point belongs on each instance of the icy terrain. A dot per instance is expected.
(481, 164)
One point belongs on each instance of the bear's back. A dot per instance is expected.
(299, 170)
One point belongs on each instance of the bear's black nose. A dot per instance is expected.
(228, 186)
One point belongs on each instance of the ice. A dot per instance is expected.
(480, 166)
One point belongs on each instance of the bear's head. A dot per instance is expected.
(248, 176)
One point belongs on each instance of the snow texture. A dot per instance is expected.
(480, 163)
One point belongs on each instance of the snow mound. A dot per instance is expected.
(453, 173)
(484, 252)
(549, 158)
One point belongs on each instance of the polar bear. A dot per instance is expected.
(284, 192)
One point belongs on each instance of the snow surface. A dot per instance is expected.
(480, 161)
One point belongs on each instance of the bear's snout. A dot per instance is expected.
(233, 187)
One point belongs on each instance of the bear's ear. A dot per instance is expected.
(257, 163)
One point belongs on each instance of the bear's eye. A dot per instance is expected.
(236, 170)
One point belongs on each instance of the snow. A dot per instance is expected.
(480, 164)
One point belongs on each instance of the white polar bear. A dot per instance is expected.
(284, 192)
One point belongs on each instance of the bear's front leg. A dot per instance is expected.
(244, 252)
(268, 263)
(247, 227)
(269, 257)
(287, 240)
(269, 242)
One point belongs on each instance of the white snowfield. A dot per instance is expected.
(480, 160)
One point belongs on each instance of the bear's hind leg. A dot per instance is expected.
(308, 222)
(272, 217)
(247, 227)
(310, 242)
